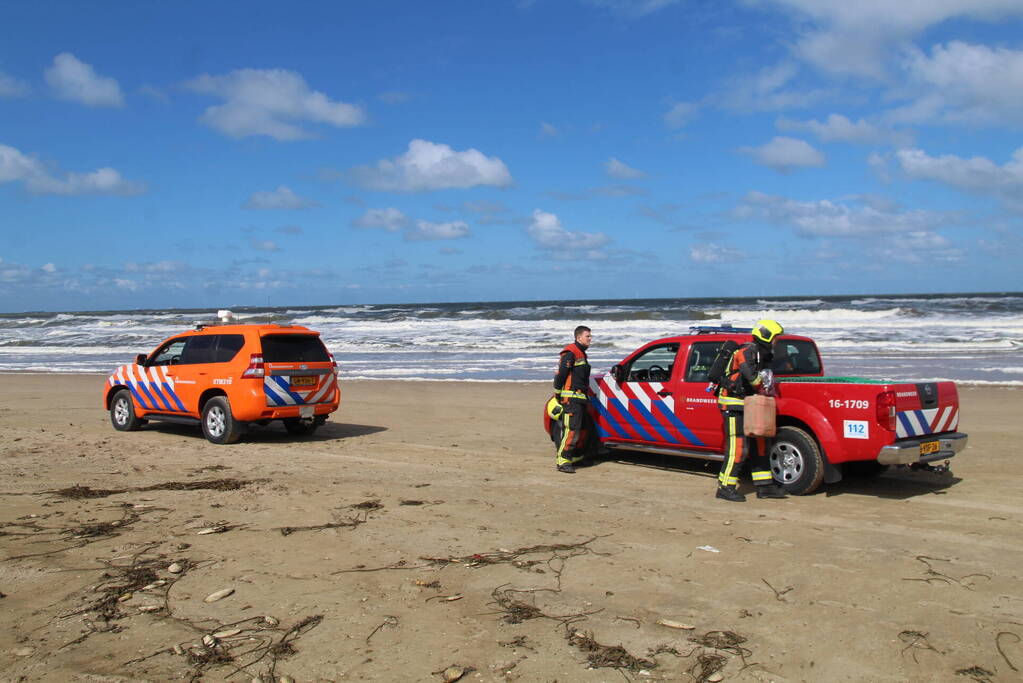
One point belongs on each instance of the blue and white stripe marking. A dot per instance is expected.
(152, 388)
(924, 422)
(279, 393)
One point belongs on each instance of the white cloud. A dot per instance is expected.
(547, 232)
(77, 81)
(632, 8)
(838, 128)
(784, 154)
(978, 175)
(824, 218)
(680, 114)
(427, 231)
(264, 245)
(548, 130)
(430, 166)
(964, 83)
(712, 252)
(269, 102)
(281, 198)
(617, 169)
(17, 167)
(390, 219)
(12, 87)
(48, 268)
(857, 37)
(771, 88)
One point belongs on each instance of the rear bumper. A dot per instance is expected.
(907, 451)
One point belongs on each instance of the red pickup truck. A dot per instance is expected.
(657, 400)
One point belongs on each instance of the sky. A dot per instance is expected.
(207, 155)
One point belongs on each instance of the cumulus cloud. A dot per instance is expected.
(964, 83)
(713, 252)
(428, 166)
(547, 233)
(838, 128)
(771, 88)
(616, 169)
(824, 218)
(281, 198)
(857, 38)
(77, 81)
(978, 175)
(390, 219)
(12, 87)
(270, 102)
(785, 154)
(424, 231)
(37, 178)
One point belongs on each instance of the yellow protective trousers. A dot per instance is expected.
(574, 423)
(739, 449)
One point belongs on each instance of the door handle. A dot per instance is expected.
(664, 392)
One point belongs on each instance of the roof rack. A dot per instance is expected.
(722, 329)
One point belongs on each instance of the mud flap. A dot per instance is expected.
(832, 474)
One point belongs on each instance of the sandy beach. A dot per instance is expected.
(423, 533)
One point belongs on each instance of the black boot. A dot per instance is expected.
(730, 493)
(567, 468)
(771, 491)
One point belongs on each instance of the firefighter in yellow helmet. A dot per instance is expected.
(742, 378)
(571, 383)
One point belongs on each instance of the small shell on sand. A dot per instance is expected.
(715, 677)
(453, 673)
(212, 530)
(219, 595)
(178, 650)
(270, 621)
(675, 624)
(175, 568)
(209, 641)
(124, 598)
(150, 608)
(24, 651)
(155, 584)
(227, 633)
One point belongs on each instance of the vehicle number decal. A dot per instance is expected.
(849, 403)
(856, 429)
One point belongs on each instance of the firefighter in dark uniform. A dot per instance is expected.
(742, 379)
(571, 384)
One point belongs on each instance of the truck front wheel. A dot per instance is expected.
(796, 461)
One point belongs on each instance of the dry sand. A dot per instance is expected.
(906, 577)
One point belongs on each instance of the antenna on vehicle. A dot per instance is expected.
(225, 316)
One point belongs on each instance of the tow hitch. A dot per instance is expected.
(944, 469)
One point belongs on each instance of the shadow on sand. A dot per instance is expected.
(275, 432)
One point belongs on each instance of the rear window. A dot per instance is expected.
(795, 357)
(294, 348)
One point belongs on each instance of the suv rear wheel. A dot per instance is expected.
(122, 413)
(218, 424)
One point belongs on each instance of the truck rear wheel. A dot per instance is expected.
(796, 461)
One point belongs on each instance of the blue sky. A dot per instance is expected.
(221, 154)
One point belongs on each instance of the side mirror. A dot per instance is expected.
(616, 372)
(140, 359)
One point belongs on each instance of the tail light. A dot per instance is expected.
(255, 369)
(886, 410)
(332, 361)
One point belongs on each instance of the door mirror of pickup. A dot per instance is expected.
(140, 359)
(616, 372)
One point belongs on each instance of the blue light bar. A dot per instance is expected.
(723, 329)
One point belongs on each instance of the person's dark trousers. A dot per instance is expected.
(575, 422)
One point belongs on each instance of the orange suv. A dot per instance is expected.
(225, 376)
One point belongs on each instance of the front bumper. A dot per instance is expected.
(907, 451)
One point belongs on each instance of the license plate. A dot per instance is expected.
(930, 447)
(304, 381)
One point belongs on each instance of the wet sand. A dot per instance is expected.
(424, 528)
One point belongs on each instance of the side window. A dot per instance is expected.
(228, 346)
(199, 349)
(795, 357)
(701, 357)
(653, 365)
(169, 353)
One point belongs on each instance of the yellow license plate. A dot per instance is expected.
(305, 381)
(930, 447)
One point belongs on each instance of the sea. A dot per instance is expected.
(970, 338)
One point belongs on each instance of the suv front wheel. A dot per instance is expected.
(218, 424)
